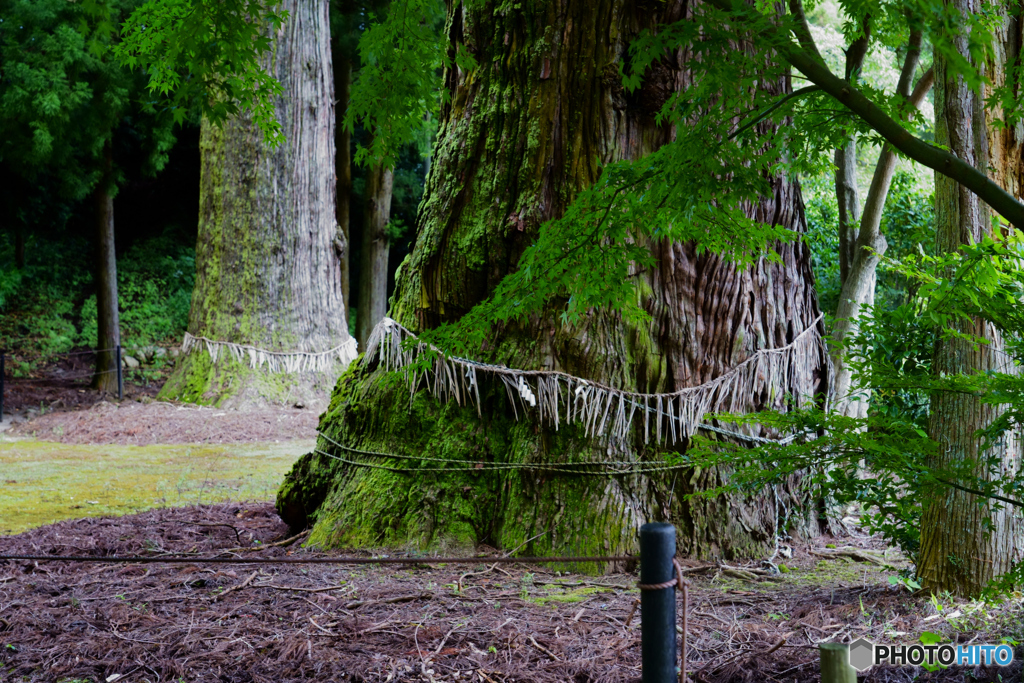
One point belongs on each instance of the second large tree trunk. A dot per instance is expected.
(267, 273)
(531, 127)
(960, 552)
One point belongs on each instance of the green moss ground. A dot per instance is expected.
(43, 482)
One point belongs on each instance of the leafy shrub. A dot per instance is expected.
(154, 288)
(908, 223)
(49, 307)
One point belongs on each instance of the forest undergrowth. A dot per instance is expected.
(48, 308)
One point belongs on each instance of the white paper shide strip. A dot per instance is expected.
(275, 361)
(602, 411)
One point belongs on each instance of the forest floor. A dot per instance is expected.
(62, 621)
(73, 622)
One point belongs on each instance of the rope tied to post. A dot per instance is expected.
(681, 585)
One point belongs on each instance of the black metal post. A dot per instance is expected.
(120, 376)
(658, 607)
(3, 360)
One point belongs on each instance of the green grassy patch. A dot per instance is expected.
(577, 595)
(43, 482)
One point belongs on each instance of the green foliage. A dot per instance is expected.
(893, 357)
(908, 223)
(38, 311)
(63, 95)
(207, 54)
(396, 92)
(822, 215)
(731, 135)
(48, 307)
(735, 128)
(154, 286)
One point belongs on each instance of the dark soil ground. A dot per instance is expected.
(64, 384)
(62, 621)
(73, 622)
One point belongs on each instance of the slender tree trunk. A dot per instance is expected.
(107, 323)
(516, 142)
(373, 270)
(848, 200)
(267, 273)
(343, 167)
(960, 551)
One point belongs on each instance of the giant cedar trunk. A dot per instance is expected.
(267, 273)
(520, 136)
(957, 553)
(108, 327)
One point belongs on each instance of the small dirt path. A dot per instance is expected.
(136, 423)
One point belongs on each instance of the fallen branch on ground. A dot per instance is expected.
(237, 587)
(543, 649)
(301, 590)
(389, 601)
(855, 554)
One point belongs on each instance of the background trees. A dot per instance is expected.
(393, 96)
(547, 265)
(70, 109)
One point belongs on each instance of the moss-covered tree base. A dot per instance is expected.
(531, 512)
(230, 384)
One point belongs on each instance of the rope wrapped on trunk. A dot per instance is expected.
(276, 361)
(603, 411)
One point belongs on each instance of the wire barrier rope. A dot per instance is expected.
(480, 466)
(142, 559)
(75, 353)
(29, 380)
(86, 352)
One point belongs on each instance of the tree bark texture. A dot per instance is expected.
(518, 139)
(373, 270)
(267, 273)
(957, 553)
(343, 167)
(107, 315)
